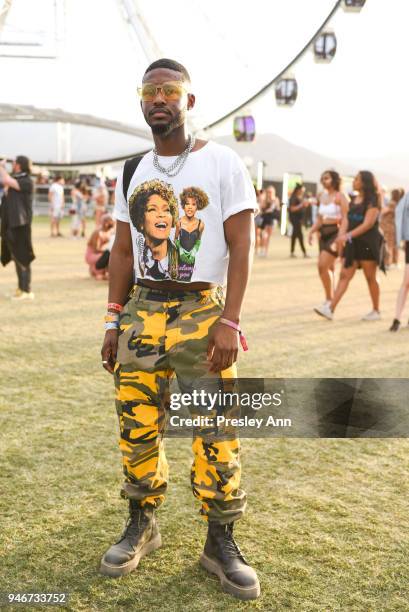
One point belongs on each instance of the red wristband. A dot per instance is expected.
(116, 307)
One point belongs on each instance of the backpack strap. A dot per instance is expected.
(129, 169)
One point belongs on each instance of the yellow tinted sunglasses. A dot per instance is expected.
(172, 90)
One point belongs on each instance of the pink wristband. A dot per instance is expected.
(233, 325)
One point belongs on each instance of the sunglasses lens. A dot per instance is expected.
(148, 92)
(172, 91)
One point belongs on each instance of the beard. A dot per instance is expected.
(165, 129)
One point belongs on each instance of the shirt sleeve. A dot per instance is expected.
(237, 192)
(121, 210)
(373, 202)
(398, 221)
(25, 184)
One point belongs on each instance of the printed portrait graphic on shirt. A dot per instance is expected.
(154, 211)
(189, 230)
(167, 242)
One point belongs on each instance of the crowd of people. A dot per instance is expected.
(16, 215)
(86, 200)
(363, 230)
(82, 196)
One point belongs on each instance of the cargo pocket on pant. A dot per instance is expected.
(131, 326)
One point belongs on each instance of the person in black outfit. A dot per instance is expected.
(363, 245)
(297, 206)
(16, 215)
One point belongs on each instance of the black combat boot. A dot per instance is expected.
(140, 537)
(222, 556)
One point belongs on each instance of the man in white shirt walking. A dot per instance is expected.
(57, 202)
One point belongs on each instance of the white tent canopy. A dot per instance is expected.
(76, 65)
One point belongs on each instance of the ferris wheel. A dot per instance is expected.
(323, 44)
(44, 39)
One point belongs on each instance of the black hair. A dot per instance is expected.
(297, 188)
(370, 189)
(171, 65)
(294, 194)
(335, 178)
(24, 163)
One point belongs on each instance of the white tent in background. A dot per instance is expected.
(69, 68)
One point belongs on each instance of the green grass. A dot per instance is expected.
(327, 523)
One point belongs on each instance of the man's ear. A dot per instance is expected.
(190, 101)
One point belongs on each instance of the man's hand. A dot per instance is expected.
(109, 350)
(223, 348)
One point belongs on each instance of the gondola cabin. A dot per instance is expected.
(244, 128)
(325, 47)
(286, 91)
(353, 6)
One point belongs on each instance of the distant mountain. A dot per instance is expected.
(282, 156)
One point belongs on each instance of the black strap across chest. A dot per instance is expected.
(129, 169)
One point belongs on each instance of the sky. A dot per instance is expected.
(356, 107)
(353, 108)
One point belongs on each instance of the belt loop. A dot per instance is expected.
(136, 292)
(220, 292)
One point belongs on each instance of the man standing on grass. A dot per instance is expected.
(159, 325)
(16, 215)
(56, 200)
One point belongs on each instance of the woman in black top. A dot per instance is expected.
(297, 206)
(363, 244)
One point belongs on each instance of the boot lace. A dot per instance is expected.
(230, 545)
(135, 525)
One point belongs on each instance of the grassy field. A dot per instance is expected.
(327, 526)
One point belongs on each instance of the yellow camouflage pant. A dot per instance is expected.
(164, 335)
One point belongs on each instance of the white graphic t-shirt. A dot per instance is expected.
(177, 223)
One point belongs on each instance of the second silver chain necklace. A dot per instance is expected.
(179, 162)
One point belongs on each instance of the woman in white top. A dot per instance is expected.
(331, 218)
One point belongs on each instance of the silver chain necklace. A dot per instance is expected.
(179, 162)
